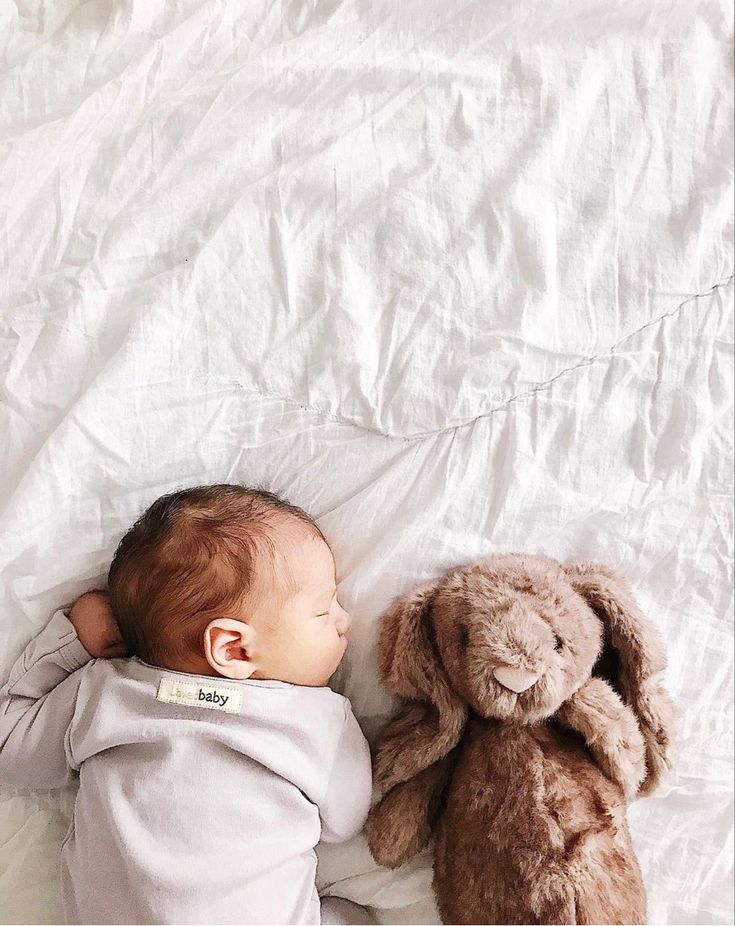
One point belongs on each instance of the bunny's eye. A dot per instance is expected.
(464, 636)
(558, 642)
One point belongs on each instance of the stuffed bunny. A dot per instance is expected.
(535, 711)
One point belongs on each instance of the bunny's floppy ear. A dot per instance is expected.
(430, 725)
(632, 660)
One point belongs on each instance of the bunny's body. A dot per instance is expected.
(534, 711)
(538, 783)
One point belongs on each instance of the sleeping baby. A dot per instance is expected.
(212, 762)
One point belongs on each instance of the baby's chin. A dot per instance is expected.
(338, 662)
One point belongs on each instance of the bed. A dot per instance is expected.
(456, 277)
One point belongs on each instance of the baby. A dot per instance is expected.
(211, 762)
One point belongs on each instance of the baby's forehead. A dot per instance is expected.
(304, 560)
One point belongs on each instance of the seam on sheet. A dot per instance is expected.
(526, 393)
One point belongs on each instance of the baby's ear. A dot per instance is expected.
(227, 647)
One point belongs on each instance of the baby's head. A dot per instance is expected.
(232, 581)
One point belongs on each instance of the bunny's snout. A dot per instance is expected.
(521, 649)
(517, 680)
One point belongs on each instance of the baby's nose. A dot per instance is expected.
(344, 621)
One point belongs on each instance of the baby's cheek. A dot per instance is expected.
(340, 649)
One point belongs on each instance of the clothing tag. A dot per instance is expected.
(195, 694)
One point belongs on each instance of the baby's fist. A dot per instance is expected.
(98, 632)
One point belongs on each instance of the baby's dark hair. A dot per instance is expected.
(191, 557)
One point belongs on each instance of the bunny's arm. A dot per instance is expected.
(611, 732)
(400, 824)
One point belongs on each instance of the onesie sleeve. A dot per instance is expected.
(37, 705)
(349, 787)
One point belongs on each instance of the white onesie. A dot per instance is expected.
(200, 799)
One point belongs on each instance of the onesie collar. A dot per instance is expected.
(214, 679)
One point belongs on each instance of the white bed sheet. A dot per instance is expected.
(456, 277)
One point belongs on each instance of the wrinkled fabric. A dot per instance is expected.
(456, 277)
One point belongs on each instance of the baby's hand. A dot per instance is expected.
(96, 627)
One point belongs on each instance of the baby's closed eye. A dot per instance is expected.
(329, 609)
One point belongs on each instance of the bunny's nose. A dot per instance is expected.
(517, 680)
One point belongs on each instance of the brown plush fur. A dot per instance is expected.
(524, 793)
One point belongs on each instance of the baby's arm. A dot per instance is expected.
(37, 703)
(347, 797)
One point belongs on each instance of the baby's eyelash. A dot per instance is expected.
(324, 613)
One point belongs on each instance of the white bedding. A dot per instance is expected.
(456, 277)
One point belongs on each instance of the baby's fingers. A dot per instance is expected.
(115, 651)
(114, 646)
